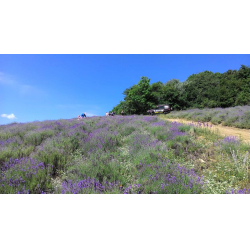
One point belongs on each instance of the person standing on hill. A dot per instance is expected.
(83, 115)
(122, 113)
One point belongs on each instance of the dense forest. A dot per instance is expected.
(202, 90)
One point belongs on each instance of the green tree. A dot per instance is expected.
(171, 93)
(139, 98)
(157, 92)
(205, 89)
(234, 87)
(119, 107)
(201, 88)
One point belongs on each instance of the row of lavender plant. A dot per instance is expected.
(234, 116)
(54, 143)
(132, 154)
(150, 171)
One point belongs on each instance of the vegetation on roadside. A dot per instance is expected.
(238, 117)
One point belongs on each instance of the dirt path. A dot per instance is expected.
(244, 134)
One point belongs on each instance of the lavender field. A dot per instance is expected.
(120, 155)
(238, 117)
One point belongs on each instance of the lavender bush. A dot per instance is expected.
(119, 155)
(241, 191)
(229, 143)
(25, 175)
(234, 116)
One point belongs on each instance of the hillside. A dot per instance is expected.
(131, 154)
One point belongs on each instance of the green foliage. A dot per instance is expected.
(171, 94)
(157, 91)
(118, 108)
(139, 97)
(203, 90)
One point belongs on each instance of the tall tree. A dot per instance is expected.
(205, 89)
(201, 87)
(157, 92)
(139, 97)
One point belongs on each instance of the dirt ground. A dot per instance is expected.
(244, 134)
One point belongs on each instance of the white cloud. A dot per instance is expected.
(11, 116)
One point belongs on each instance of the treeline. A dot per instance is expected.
(202, 90)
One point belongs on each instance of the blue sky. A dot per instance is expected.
(48, 87)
